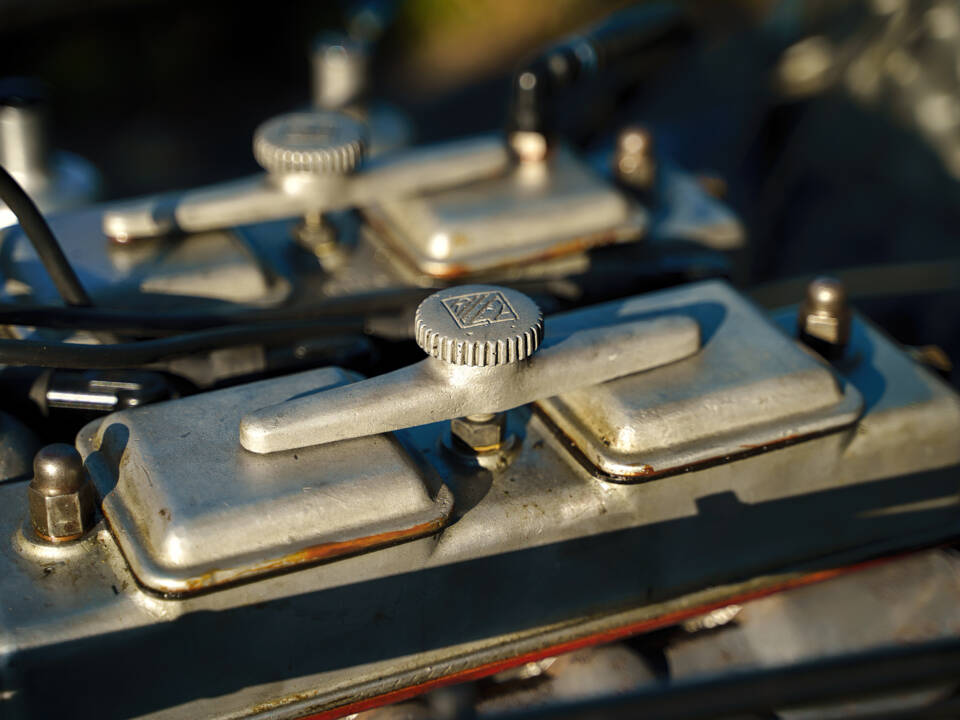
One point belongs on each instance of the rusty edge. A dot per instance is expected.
(648, 472)
(314, 554)
(219, 579)
(454, 271)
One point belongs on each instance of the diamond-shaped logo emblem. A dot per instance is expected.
(476, 309)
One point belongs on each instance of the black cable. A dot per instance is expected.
(160, 323)
(136, 354)
(37, 230)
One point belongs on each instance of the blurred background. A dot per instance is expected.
(830, 127)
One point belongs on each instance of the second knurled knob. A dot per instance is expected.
(316, 142)
(479, 325)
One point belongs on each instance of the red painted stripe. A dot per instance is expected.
(600, 638)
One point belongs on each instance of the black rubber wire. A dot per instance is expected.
(38, 232)
(165, 323)
(135, 354)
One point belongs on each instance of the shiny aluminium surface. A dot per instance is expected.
(191, 509)
(533, 211)
(539, 552)
(214, 266)
(749, 387)
(683, 213)
(253, 263)
(263, 197)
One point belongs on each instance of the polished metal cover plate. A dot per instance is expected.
(750, 388)
(192, 509)
(534, 212)
(218, 266)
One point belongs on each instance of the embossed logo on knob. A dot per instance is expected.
(479, 325)
(476, 309)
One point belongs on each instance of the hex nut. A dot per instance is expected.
(480, 433)
(60, 498)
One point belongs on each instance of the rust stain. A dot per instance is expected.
(778, 441)
(322, 552)
(561, 249)
(280, 702)
(648, 472)
(449, 272)
(313, 554)
(600, 638)
(578, 244)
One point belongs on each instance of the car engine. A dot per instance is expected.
(603, 369)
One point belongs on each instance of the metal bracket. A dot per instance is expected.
(482, 339)
(270, 196)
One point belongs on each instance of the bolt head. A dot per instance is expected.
(60, 499)
(57, 470)
(480, 436)
(827, 295)
(824, 314)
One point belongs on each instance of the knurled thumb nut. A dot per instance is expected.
(60, 498)
(479, 326)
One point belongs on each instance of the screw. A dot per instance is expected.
(634, 161)
(823, 320)
(319, 236)
(60, 497)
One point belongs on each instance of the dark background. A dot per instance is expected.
(163, 95)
